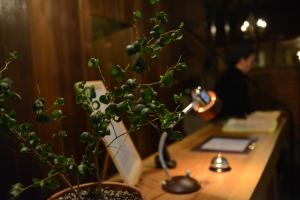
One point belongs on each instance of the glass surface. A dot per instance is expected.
(226, 144)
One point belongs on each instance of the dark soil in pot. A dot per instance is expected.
(110, 191)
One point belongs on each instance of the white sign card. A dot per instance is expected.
(121, 150)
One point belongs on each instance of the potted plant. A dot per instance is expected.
(130, 100)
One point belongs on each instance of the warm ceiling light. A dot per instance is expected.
(261, 23)
(213, 30)
(227, 27)
(245, 26)
(298, 53)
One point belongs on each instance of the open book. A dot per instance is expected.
(258, 121)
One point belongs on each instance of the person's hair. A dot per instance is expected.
(239, 53)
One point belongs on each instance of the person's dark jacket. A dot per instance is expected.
(232, 90)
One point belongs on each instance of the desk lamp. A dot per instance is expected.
(205, 104)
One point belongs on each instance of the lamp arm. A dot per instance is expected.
(162, 142)
(161, 145)
(188, 108)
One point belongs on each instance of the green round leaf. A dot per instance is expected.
(104, 99)
(38, 105)
(13, 56)
(42, 117)
(161, 17)
(133, 48)
(145, 112)
(181, 66)
(52, 184)
(16, 189)
(24, 149)
(86, 137)
(4, 85)
(129, 96)
(139, 66)
(94, 63)
(138, 108)
(62, 134)
(111, 109)
(103, 132)
(59, 101)
(132, 83)
(156, 31)
(130, 49)
(137, 15)
(122, 107)
(177, 98)
(56, 115)
(82, 168)
(153, 2)
(181, 25)
(36, 182)
(96, 105)
(167, 79)
(164, 40)
(148, 94)
(118, 91)
(117, 72)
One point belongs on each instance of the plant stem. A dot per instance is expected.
(149, 84)
(96, 160)
(149, 41)
(179, 59)
(102, 76)
(40, 157)
(127, 67)
(154, 126)
(62, 146)
(177, 107)
(158, 82)
(136, 31)
(171, 31)
(5, 67)
(29, 186)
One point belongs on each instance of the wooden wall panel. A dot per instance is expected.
(44, 49)
(193, 14)
(118, 10)
(14, 36)
(56, 54)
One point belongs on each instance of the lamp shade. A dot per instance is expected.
(206, 103)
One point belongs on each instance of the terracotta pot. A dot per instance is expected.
(117, 186)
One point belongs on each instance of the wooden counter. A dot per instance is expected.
(253, 175)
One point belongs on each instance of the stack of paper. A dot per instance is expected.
(258, 121)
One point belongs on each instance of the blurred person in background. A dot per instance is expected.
(232, 87)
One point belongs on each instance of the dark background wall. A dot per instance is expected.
(55, 39)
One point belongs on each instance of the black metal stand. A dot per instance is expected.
(177, 184)
(181, 185)
(169, 162)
